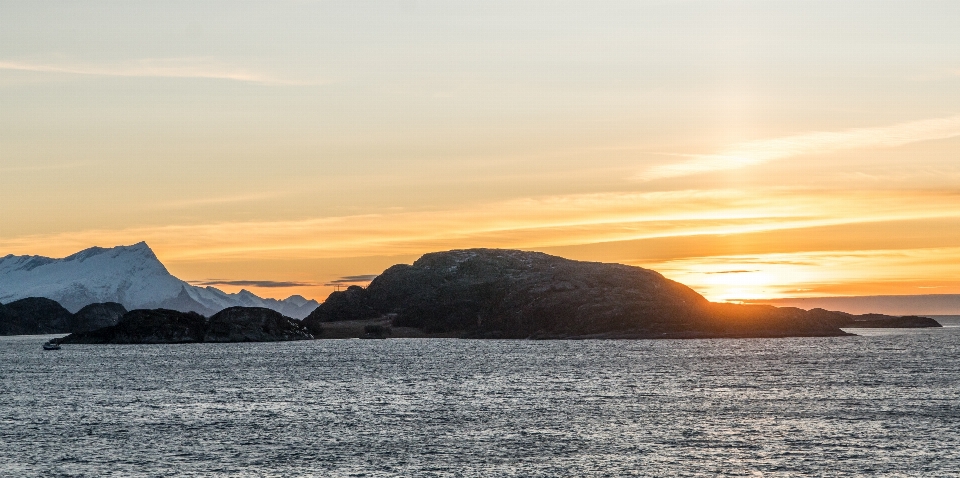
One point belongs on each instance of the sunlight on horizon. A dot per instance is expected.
(819, 274)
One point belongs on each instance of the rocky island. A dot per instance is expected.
(879, 321)
(495, 293)
(165, 326)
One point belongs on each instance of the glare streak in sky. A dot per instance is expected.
(158, 68)
(761, 151)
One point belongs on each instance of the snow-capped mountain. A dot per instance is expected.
(130, 275)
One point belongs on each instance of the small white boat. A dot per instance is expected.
(51, 346)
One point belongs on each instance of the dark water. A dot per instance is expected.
(885, 404)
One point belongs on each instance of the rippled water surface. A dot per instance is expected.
(886, 403)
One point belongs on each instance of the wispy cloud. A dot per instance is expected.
(159, 68)
(522, 223)
(46, 167)
(359, 278)
(209, 201)
(353, 279)
(253, 283)
(758, 152)
(731, 272)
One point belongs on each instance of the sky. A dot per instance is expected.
(751, 150)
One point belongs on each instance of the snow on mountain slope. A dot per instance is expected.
(130, 275)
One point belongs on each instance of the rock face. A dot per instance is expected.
(165, 326)
(253, 324)
(516, 294)
(97, 316)
(354, 303)
(34, 315)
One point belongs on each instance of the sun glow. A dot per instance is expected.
(726, 280)
(727, 244)
(820, 273)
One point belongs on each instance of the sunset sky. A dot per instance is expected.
(751, 150)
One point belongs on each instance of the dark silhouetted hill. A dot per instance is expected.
(517, 294)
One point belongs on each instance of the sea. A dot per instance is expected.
(883, 403)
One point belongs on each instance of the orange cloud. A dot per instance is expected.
(688, 235)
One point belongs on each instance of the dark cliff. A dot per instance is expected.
(516, 294)
(253, 324)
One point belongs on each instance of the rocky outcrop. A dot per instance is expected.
(354, 303)
(146, 326)
(37, 315)
(878, 321)
(517, 294)
(34, 315)
(97, 316)
(165, 326)
(887, 322)
(253, 324)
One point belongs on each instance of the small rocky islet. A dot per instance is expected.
(472, 293)
(165, 326)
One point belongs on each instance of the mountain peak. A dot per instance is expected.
(142, 245)
(299, 300)
(130, 275)
(141, 248)
(85, 254)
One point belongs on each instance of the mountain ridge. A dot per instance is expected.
(129, 275)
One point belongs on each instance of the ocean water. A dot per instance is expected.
(886, 403)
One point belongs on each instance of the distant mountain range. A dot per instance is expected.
(128, 275)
